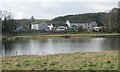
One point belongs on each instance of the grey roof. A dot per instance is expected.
(43, 26)
(80, 21)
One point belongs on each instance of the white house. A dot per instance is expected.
(68, 23)
(35, 26)
(39, 26)
(50, 27)
(86, 25)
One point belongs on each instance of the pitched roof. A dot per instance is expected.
(56, 25)
(80, 21)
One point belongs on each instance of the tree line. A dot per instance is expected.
(110, 20)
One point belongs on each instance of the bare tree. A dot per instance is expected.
(6, 15)
(7, 21)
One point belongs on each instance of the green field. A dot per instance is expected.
(70, 61)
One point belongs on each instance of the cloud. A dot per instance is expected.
(102, 6)
(19, 15)
(46, 9)
(59, 0)
(48, 4)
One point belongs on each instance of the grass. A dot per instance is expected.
(23, 37)
(70, 61)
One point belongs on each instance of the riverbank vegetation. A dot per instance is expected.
(39, 36)
(70, 61)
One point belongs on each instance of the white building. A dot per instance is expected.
(35, 26)
(86, 25)
(50, 27)
(39, 26)
(68, 23)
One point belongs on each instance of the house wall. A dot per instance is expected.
(68, 23)
(50, 26)
(35, 26)
(39, 26)
(88, 26)
(43, 26)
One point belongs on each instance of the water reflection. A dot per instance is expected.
(59, 45)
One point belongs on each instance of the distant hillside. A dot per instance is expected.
(28, 21)
(110, 20)
(82, 18)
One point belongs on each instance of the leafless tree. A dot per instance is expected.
(6, 15)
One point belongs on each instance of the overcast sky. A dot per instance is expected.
(48, 9)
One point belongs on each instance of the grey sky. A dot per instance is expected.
(51, 9)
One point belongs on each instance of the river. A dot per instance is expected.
(58, 45)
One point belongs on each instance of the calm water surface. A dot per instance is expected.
(58, 45)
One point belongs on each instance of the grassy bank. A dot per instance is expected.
(70, 61)
(22, 37)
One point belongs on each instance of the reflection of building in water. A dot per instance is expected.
(97, 44)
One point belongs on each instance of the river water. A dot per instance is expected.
(58, 45)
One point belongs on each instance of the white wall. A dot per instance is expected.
(35, 26)
(88, 26)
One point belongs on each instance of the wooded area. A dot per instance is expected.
(109, 20)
